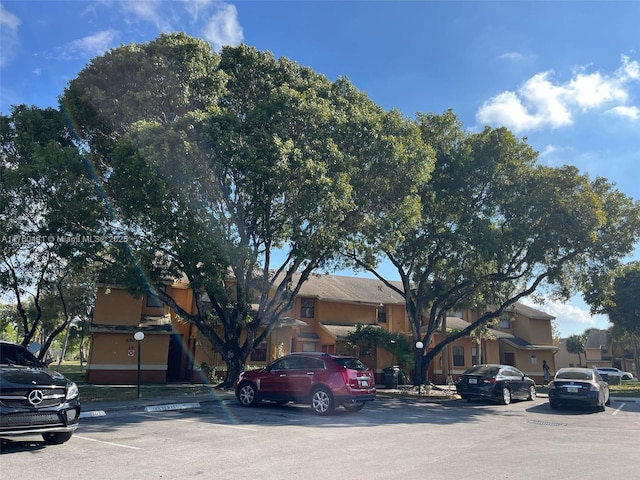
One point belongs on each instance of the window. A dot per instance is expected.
(308, 346)
(153, 301)
(259, 354)
(307, 308)
(534, 360)
(328, 348)
(382, 314)
(505, 322)
(474, 356)
(458, 356)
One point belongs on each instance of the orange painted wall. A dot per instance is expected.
(116, 308)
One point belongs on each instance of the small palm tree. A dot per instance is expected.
(575, 344)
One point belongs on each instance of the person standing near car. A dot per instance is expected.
(545, 372)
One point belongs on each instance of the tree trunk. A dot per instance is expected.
(635, 344)
(235, 366)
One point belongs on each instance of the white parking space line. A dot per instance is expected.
(218, 425)
(618, 409)
(107, 443)
(186, 420)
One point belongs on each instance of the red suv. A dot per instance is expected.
(319, 379)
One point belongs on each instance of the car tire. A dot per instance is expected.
(247, 394)
(321, 401)
(56, 438)
(608, 402)
(532, 393)
(553, 404)
(353, 407)
(506, 396)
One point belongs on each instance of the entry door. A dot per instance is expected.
(174, 360)
(510, 358)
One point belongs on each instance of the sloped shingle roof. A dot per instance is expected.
(337, 288)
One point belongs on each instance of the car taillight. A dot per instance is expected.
(489, 380)
(594, 388)
(551, 385)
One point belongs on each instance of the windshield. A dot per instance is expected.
(17, 355)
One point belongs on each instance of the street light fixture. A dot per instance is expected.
(138, 337)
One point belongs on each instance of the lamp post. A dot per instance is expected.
(139, 336)
(419, 346)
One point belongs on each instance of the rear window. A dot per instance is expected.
(482, 370)
(574, 375)
(351, 363)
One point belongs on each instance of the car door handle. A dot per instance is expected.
(283, 374)
(310, 373)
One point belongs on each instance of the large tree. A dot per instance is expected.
(618, 296)
(50, 216)
(234, 171)
(494, 227)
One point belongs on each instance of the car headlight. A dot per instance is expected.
(72, 391)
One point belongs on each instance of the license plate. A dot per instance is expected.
(572, 389)
(473, 380)
(364, 383)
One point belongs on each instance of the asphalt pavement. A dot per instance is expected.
(175, 402)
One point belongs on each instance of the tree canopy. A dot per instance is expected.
(618, 296)
(494, 226)
(263, 170)
(50, 218)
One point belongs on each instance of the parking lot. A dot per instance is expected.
(391, 438)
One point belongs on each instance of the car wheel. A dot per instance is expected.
(353, 407)
(56, 438)
(506, 396)
(321, 401)
(553, 404)
(247, 395)
(532, 393)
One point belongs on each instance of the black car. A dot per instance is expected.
(502, 383)
(35, 399)
(578, 386)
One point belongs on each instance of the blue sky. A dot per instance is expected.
(565, 75)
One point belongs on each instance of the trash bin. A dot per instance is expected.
(391, 377)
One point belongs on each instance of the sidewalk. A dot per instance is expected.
(171, 402)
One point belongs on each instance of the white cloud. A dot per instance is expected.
(632, 112)
(147, 10)
(9, 24)
(512, 56)
(541, 102)
(89, 46)
(570, 319)
(223, 27)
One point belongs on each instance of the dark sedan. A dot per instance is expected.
(501, 383)
(35, 399)
(578, 386)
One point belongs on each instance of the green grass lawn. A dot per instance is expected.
(113, 393)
